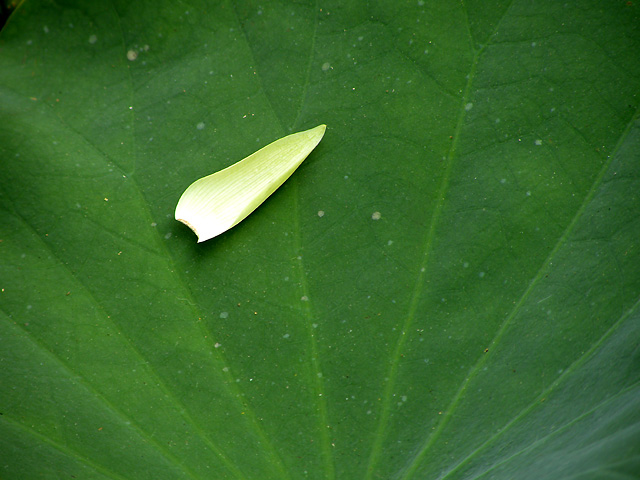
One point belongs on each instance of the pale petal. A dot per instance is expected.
(217, 202)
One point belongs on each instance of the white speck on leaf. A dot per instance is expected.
(376, 216)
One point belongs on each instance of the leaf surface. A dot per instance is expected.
(447, 288)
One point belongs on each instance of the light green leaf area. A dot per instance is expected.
(447, 288)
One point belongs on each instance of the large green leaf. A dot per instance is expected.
(447, 288)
